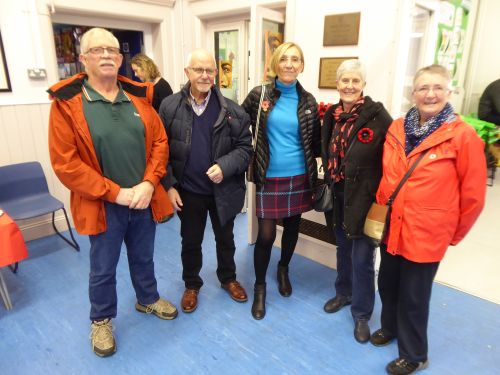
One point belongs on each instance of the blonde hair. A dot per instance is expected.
(97, 32)
(433, 69)
(147, 65)
(278, 54)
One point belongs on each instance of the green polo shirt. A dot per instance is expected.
(118, 135)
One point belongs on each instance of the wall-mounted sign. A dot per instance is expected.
(328, 71)
(4, 72)
(341, 29)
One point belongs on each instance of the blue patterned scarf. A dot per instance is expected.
(416, 133)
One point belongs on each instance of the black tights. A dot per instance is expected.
(265, 240)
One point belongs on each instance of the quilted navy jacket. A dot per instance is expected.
(231, 147)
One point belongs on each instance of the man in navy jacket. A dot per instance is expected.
(210, 149)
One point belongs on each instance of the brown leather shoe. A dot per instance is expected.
(235, 290)
(189, 301)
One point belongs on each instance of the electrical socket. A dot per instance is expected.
(35, 73)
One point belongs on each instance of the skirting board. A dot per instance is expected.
(33, 229)
(312, 248)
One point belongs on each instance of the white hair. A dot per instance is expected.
(352, 65)
(197, 52)
(97, 32)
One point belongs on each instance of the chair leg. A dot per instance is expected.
(73, 243)
(4, 293)
(14, 268)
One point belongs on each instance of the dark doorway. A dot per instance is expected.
(67, 42)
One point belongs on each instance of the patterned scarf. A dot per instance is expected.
(344, 122)
(416, 133)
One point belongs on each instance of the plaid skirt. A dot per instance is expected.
(282, 197)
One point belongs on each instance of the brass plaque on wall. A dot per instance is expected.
(328, 71)
(341, 29)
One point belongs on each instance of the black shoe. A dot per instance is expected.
(402, 366)
(284, 286)
(361, 331)
(336, 303)
(259, 301)
(381, 338)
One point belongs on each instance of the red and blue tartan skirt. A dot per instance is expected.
(282, 197)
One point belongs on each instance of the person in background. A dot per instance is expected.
(435, 208)
(108, 147)
(146, 70)
(353, 135)
(288, 142)
(489, 103)
(210, 148)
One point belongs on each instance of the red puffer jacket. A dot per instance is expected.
(444, 195)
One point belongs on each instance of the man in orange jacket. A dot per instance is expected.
(108, 146)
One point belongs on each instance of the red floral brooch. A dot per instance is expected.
(265, 105)
(365, 135)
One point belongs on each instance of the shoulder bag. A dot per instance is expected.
(378, 217)
(250, 169)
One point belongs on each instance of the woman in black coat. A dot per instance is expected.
(285, 170)
(352, 137)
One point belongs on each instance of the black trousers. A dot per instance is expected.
(193, 221)
(405, 290)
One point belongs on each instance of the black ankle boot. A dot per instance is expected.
(259, 301)
(284, 286)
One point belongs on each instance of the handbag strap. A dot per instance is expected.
(405, 177)
(254, 138)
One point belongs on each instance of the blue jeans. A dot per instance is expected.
(355, 268)
(137, 229)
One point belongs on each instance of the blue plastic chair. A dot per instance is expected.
(24, 194)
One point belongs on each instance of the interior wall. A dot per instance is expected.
(484, 62)
(27, 35)
(377, 45)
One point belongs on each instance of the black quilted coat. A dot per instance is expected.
(231, 148)
(309, 124)
(362, 163)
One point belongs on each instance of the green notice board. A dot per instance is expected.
(452, 28)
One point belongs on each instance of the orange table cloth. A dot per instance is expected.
(12, 245)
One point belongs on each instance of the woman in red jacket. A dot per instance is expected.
(435, 208)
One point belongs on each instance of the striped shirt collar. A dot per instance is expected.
(92, 95)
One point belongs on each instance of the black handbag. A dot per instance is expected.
(323, 198)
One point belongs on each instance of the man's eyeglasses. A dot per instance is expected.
(210, 72)
(424, 90)
(294, 60)
(112, 51)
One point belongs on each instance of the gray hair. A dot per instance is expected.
(433, 69)
(197, 52)
(97, 32)
(352, 65)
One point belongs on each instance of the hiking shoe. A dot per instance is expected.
(161, 308)
(103, 342)
(381, 338)
(401, 366)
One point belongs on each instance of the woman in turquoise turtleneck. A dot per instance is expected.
(287, 143)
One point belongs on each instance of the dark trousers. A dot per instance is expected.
(193, 221)
(355, 267)
(405, 290)
(137, 229)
